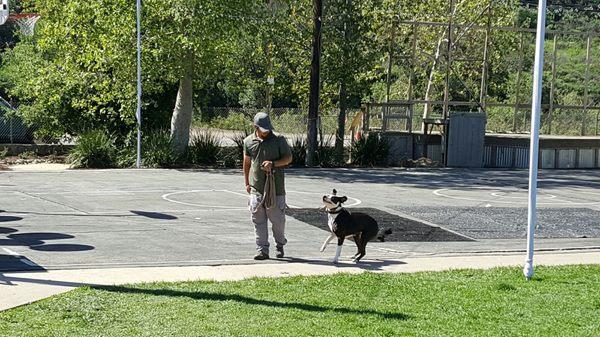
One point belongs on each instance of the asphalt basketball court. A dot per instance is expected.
(115, 218)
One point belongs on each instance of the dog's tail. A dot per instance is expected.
(383, 233)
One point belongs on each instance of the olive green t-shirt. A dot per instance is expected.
(272, 148)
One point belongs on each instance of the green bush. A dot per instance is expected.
(28, 155)
(326, 155)
(204, 148)
(127, 153)
(370, 151)
(233, 156)
(233, 121)
(157, 150)
(94, 149)
(229, 157)
(4, 153)
(299, 147)
(238, 139)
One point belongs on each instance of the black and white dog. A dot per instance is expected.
(342, 223)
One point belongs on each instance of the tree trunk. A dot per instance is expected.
(315, 69)
(339, 139)
(427, 109)
(182, 114)
(436, 59)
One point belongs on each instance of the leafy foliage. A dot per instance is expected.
(299, 148)
(78, 72)
(158, 150)
(371, 150)
(204, 148)
(94, 149)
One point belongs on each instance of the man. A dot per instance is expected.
(265, 156)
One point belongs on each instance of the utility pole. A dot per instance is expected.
(536, 103)
(270, 77)
(138, 114)
(315, 70)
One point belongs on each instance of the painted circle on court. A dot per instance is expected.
(172, 197)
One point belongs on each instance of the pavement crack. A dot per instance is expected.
(53, 202)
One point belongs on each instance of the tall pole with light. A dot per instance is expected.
(138, 113)
(536, 103)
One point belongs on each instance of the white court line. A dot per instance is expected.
(167, 196)
(439, 193)
(99, 192)
(246, 196)
(500, 195)
(236, 193)
(356, 201)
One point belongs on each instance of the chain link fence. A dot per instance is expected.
(292, 122)
(562, 122)
(14, 131)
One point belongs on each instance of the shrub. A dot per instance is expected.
(232, 121)
(94, 149)
(299, 147)
(233, 156)
(370, 151)
(204, 148)
(28, 155)
(238, 139)
(229, 157)
(157, 150)
(127, 153)
(326, 155)
(4, 153)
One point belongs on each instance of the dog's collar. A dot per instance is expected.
(335, 210)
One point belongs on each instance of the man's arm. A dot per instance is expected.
(286, 157)
(246, 166)
(283, 161)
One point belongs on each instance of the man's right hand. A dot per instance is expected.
(248, 189)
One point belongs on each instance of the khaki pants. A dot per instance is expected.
(260, 217)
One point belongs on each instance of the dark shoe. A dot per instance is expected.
(261, 256)
(279, 253)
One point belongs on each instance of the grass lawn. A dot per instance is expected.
(559, 301)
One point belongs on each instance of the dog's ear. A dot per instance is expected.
(343, 199)
(334, 192)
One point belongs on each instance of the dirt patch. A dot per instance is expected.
(403, 229)
(421, 162)
(32, 159)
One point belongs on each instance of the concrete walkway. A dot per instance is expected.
(19, 288)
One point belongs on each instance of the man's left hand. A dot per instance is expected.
(267, 165)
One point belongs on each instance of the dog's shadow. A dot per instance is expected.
(365, 264)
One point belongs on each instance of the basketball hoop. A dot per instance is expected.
(26, 22)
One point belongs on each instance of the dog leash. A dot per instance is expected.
(269, 200)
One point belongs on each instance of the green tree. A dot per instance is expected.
(78, 72)
(347, 58)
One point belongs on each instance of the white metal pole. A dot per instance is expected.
(138, 114)
(535, 130)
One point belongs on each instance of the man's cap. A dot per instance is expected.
(263, 122)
